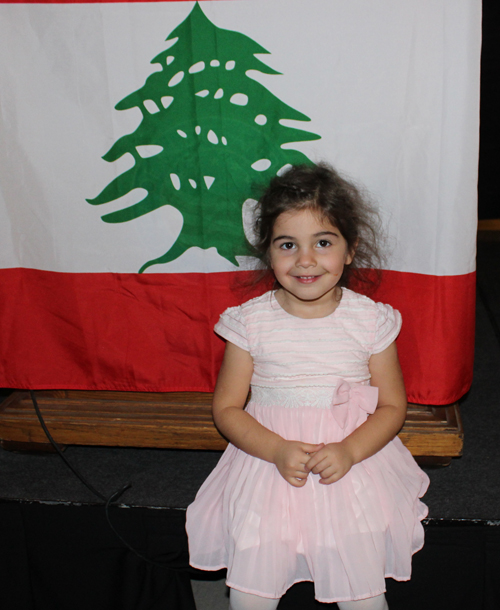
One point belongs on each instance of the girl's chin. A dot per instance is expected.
(305, 295)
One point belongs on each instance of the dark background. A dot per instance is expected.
(489, 157)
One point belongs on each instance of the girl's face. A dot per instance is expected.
(307, 255)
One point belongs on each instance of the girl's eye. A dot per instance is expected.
(288, 245)
(324, 243)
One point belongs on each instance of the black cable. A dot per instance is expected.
(114, 497)
(59, 451)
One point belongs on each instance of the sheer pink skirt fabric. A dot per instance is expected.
(346, 537)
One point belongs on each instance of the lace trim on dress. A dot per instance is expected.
(319, 397)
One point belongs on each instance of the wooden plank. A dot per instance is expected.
(176, 420)
(433, 431)
(173, 420)
(492, 224)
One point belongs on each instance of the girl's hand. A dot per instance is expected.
(291, 458)
(331, 462)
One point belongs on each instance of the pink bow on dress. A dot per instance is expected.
(351, 403)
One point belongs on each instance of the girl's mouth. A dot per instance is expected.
(307, 279)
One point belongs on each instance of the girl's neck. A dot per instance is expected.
(319, 308)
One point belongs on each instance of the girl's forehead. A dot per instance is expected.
(304, 220)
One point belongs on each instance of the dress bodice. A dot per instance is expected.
(288, 351)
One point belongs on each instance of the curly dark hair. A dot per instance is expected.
(322, 189)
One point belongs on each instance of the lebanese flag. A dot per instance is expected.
(134, 137)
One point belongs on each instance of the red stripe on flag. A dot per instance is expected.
(436, 343)
(154, 332)
(151, 332)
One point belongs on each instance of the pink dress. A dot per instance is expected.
(310, 383)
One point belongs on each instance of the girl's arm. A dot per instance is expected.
(336, 459)
(244, 431)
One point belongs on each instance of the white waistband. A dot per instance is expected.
(319, 397)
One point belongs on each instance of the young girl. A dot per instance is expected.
(314, 485)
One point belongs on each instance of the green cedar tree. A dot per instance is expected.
(217, 134)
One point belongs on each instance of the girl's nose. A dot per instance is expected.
(306, 258)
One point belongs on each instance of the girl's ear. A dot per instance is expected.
(350, 254)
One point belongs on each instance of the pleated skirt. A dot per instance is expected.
(346, 537)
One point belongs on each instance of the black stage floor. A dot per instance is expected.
(51, 518)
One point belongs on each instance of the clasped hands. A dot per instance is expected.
(296, 460)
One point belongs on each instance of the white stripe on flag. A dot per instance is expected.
(392, 88)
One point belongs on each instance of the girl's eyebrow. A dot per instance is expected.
(283, 237)
(319, 234)
(326, 233)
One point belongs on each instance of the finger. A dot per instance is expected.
(295, 482)
(300, 474)
(322, 466)
(327, 471)
(308, 448)
(314, 460)
(298, 463)
(332, 478)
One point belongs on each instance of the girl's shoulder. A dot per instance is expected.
(235, 323)
(264, 301)
(254, 305)
(380, 321)
(362, 302)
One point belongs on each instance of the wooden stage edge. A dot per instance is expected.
(177, 420)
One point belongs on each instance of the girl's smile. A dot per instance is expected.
(307, 279)
(307, 255)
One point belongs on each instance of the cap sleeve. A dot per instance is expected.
(387, 329)
(231, 326)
